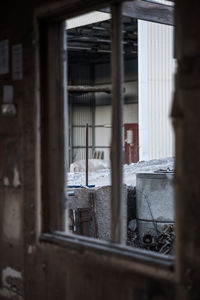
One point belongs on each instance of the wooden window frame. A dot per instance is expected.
(51, 124)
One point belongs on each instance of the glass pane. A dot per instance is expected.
(89, 99)
(148, 135)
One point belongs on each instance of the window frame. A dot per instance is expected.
(50, 162)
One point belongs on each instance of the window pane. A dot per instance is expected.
(89, 99)
(148, 135)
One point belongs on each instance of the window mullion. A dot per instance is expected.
(117, 125)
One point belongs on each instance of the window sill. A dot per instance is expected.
(123, 257)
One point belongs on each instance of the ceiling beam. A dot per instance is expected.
(88, 89)
(148, 11)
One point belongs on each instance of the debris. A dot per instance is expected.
(162, 242)
(132, 225)
(102, 177)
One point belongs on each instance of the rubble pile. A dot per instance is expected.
(103, 177)
(163, 242)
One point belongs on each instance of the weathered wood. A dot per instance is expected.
(117, 124)
(66, 270)
(185, 113)
(86, 156)
(54, 114)
(153, 12)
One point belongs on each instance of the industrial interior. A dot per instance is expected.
(89, 65)
(99, 150)
(148, 212)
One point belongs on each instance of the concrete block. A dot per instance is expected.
(103, 208)
(103, 195)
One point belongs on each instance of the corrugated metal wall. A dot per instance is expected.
(80, 115)
(103, 112)
(156, 76)
(103, 118)
(102, 129)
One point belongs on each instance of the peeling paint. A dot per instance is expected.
(11, 163)
(12, 284)
(12, 219)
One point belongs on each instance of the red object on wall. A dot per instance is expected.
(131, 143)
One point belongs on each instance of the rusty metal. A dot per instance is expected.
(88, 89)
(162, 242)
(86, 160)
(71, 221)
(83, 220)
(79, 221)
(93, 226)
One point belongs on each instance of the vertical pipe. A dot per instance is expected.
(93, 110)
(70, 118)
(86, 160)
(117, 123)
(93, 127)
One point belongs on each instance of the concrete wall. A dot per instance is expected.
(81, 199)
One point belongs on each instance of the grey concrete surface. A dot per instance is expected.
(155, 201)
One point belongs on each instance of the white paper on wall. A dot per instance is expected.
(4, 57)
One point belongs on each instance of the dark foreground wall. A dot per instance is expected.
(58, 269)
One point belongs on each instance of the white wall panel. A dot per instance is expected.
(103, 114)
(103, 117)
(81, 116)
(156, 76)
(103, 134)
(131, 113)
